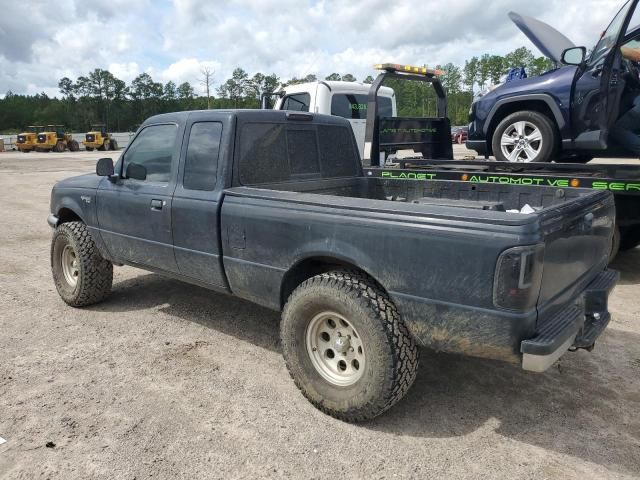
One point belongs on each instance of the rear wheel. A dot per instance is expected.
(82, 277)
(74, 146)
(346, 346)
(59, 147)
(525, 136)
(114, 144)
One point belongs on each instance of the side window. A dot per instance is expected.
(298, 102)
(201, 163)
(153, 149)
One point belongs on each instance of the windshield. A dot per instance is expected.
(610, 35)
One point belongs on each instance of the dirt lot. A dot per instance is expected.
(172, 381)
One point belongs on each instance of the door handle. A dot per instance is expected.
(156, 204)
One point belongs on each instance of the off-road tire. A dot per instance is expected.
(89, 149)
(106, 146)
(542, 122)
(74, 146)
(391, 353)
(59, 148)
(95, 273)
(114, 145)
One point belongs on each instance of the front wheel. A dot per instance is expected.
(82, 277)
(525, 136)
(346, 346)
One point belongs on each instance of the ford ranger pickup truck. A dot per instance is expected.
(274, 207)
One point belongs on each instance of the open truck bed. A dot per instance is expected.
(446, 238)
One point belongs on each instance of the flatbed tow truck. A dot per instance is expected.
(429, 139)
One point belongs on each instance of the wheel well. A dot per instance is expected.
(513, 107)
(310, 267)
(66, 215)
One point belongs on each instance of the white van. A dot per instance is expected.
(343, 99)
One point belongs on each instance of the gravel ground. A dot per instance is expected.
(168, 380)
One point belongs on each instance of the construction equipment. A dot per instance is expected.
(99, 139)
(54, 138)
(27, 140)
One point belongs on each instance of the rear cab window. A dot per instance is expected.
(354, 106)
(271, 153)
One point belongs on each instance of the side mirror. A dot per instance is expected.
(104, 167)
(136, 171)
(574, 56)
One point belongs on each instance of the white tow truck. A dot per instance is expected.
(343, 99)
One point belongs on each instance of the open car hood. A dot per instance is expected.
(548, 40)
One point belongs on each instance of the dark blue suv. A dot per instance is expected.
(566, 113)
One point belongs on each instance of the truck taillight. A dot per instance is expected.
(518, 277)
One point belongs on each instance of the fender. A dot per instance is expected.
(547, 99)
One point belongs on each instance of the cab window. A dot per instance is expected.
(153, 149)
(201, 162)
(298, 102)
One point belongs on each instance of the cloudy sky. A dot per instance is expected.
(172, 40)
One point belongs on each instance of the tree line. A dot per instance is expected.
(102, 97)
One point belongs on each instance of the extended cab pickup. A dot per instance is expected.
(273, 207)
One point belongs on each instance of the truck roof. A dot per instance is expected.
(338, 87)
(275, 116)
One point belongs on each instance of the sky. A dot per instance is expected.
(174, 40)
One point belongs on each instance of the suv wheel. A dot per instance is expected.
(525, 136)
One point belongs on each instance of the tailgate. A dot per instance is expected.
(577, 237)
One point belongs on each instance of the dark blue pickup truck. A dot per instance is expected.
(273, 207)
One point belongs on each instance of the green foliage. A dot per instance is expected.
(101, 97)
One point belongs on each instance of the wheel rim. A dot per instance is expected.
(521, 142)
(335, 349)
(70, 265)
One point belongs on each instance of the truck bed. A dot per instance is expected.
(445, 237)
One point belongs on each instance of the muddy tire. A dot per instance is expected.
(82, 277)
(114, 144)
(74, 146)
(346, 346)
(59, 148)
(525, 136)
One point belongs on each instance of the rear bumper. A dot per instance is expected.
(575, 327)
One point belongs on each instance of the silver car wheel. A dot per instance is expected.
(335, 349)
(521, 142)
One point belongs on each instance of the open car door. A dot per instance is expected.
(599, 85)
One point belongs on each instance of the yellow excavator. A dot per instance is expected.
(54, 138)
(26, 141)
(99, 139)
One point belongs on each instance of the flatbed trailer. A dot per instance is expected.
(623, 180)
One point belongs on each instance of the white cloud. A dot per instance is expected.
(173, 41)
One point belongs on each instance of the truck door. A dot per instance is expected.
(134, 212)
(599, 85)
(196, 205)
